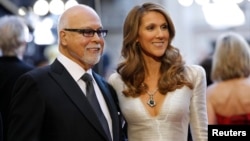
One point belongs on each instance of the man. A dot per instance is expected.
(14, 35)
(50, 103)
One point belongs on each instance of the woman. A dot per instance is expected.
(158, 94)
(228, 98)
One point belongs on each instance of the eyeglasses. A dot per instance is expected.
(89, 32)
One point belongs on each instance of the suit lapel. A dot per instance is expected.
(110, 103)
(73, 91)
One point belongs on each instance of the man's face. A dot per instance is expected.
(84, 47)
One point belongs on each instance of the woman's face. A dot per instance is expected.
(153, 34)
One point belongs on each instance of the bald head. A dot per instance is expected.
(76, 15)
(73, 26)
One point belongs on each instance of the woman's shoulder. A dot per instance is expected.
(195, 68)
(116, 82)
(195, 71)
(196, 75)
(114, 78)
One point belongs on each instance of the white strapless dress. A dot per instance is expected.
(180, 107)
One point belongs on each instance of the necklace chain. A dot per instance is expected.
(151, 102)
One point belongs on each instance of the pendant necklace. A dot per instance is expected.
(151, 101)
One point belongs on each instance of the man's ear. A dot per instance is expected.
(63, 39)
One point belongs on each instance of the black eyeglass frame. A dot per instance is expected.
(89, 32)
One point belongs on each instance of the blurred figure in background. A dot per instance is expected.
(207, 64)
(14, 34)
(228, 98)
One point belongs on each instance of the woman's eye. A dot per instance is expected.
(165, 27)
(150, 28)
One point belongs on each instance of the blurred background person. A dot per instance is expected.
(207, 64)
(228, 98)
(14, 35)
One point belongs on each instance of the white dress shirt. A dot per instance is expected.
(76, 71)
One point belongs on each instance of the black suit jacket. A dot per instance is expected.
(1, 128)
(49, 106)
(11, 68)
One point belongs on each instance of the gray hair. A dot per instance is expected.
(14, 33)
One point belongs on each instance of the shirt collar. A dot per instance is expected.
(75, 70)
